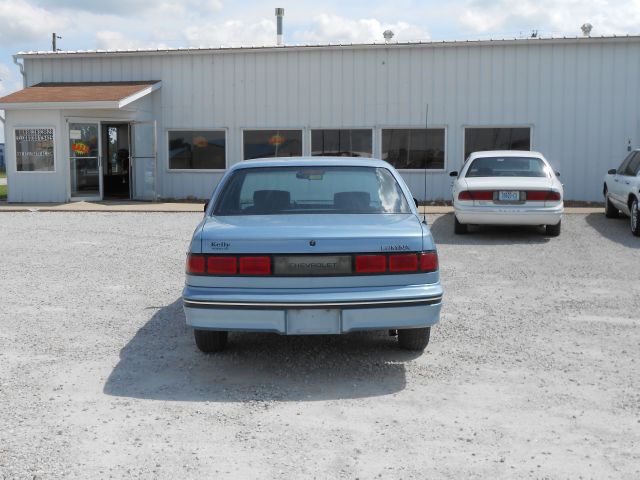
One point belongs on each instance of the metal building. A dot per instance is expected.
(165, 124)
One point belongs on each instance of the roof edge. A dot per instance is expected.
(329, 46)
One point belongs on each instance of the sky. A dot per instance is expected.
(27, 25)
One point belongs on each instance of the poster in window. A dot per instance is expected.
(34, 150)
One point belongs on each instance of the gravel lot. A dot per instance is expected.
(532, 373)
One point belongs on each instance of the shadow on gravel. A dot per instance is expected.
(442, 230)
(161, 362)
(615, 229)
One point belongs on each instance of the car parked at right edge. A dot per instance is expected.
(622, 191)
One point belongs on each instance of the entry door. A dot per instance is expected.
(143, 160)
(85, 169)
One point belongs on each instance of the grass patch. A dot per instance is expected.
(3, 174)
(3, 192)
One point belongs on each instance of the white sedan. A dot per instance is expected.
(507, 187)
(622, 191)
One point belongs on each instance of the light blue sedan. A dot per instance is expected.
(318, 245)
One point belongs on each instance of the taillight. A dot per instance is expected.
(407, 262)
(554, 197)
(195, 264)
(255, 265)
(543, 195)
(371, 263)
(222, 265)
(429, 261)
(475, 195)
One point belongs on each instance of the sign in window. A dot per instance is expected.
(34, 149)
(272, 143)
(197, 150)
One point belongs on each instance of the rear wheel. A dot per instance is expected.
(553, 230)
(414, 338)
(210, 341)
(459, 228)
(610, 211)
(635, 218)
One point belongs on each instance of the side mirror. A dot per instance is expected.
(206, 204)
(453, 174)
(415, 200)
(613, 171)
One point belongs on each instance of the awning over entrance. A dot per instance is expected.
(82, 95)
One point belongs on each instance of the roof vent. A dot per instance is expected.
(388, 35)
(586, 29)
(279, 15)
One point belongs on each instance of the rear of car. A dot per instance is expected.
(507, 188)
(320, 246)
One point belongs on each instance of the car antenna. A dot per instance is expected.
(426, 126)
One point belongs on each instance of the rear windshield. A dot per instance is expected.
(507, 167)
(291, 190)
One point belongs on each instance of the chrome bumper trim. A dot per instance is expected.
(280, 305)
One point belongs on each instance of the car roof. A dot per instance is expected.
(506, 153)
(311, 162)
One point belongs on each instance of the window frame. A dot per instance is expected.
(304, 147)
(371, 129)
(168, 169)
(15, 151)
(417, 127)
(529, 126)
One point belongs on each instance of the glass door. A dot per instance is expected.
(143, 160)
(84, 161)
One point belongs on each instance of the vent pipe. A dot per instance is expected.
(279, 15)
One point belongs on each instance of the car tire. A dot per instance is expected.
(553, 230)
(414, 338)
(459, 228)
(635, 217)
(610, 211)
(210, 341)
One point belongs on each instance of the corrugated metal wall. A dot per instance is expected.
(580, 98)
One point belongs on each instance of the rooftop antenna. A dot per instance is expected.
(534, 33)
(388, 35)
(586, 29)
(53, 42)
(426, 127)
(279, 15)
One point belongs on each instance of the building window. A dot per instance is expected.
(419, 148)
(342, 143)
(34, 150)
(272, 143)
(503, 138)
(197, 150)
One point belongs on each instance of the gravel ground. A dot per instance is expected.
(532, 373)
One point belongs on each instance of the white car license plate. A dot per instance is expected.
(508, 195)
(313, 321)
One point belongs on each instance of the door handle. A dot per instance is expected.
(627, 182)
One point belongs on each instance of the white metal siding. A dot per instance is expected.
(580, 98)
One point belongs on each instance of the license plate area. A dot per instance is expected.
(313, 321)
(312, 265)
(509, 196)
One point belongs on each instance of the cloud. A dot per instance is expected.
(23, 22)
(112, 40)
(127, 7)
(552, 17)
(231, 33)
(335, 29)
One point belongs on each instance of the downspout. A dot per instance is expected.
(22, 72)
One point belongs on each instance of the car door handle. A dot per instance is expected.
(627, 182)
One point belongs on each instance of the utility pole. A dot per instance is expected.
(53, 41)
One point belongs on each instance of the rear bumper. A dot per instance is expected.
(512, 215)
(324, 312)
